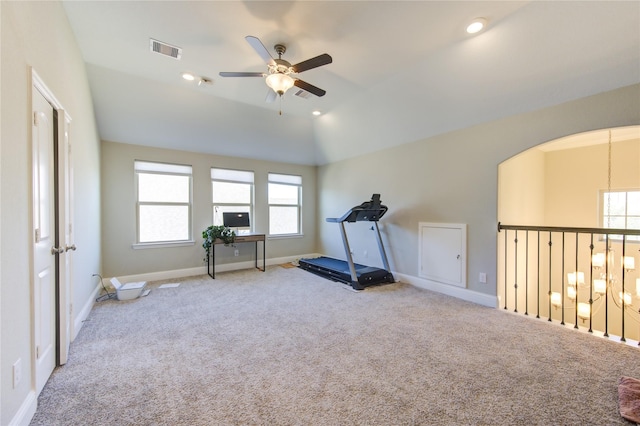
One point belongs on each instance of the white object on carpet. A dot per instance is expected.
(128, 291)
(169, 285)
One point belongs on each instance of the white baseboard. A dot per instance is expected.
(26, 412)
(458, 292)
(82, 315)
(287, 259)
(163, 275)
(202, 270)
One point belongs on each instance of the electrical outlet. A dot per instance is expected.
(236, 252)
(17, 373)
(482, 277)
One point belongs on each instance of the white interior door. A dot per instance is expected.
(45, 251)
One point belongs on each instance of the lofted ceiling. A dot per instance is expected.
(402, 70)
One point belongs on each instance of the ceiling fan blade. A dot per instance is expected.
(316, 62)
(259, 47)
(309, 87)
(271, 96)
(242, 74)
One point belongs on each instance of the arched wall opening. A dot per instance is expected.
(562, 183)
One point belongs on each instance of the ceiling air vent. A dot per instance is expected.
(165, 49)
(303, 94)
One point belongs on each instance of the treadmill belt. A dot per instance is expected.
(334, 264)
(338, 270)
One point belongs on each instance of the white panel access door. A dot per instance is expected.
(443, 253)
(45, 251)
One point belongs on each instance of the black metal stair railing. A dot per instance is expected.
(555, 282)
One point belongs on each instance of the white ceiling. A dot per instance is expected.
(402, 70)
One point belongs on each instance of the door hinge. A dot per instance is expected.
(35, 118)
(37, 235)
(38, 352)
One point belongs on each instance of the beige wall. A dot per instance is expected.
(454, 178)
(561, 187)
(37, 34)
(521, 191)
(119, 210)
(574, 178)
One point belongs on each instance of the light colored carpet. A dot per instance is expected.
(286, 347)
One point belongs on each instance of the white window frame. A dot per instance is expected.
(168, 169)
(219, 174)
(604, 214)
(292, 180)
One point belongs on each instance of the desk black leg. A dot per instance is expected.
(256, 255)
(263, 257)
(211, 262)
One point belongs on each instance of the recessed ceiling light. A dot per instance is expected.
(188, 76)
(316, 112)
(476, 25)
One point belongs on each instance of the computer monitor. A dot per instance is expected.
(235, 219)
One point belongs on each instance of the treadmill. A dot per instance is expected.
(354, 274)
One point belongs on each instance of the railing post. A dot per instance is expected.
(538, 287)
(526, 275)
(562, 281)
(577, 285)
(624, 305)
(591, 285)
(608, 288)
(515, 275)
(550, 244)
(506, 261)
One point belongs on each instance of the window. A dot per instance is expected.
(621, 210)
(231, 191)
(285, 195)
(164, 202)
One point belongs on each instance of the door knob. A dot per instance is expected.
(56, 250)
(71, 247)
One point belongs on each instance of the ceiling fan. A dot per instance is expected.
(278, 75)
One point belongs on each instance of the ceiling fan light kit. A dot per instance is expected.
(279, 82)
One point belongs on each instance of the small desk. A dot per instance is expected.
(251, 238)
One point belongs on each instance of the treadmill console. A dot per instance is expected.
(370, 211)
